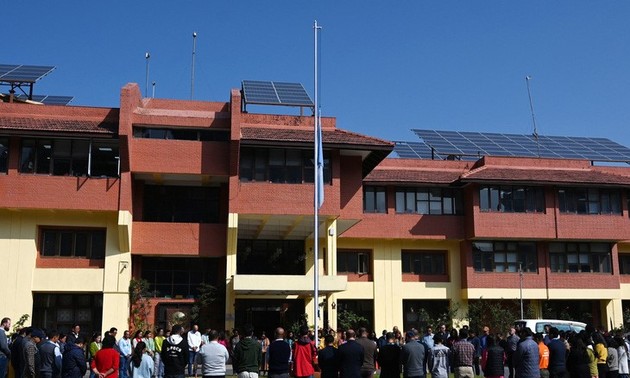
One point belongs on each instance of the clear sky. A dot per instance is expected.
(387, 66)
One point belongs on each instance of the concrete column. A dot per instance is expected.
(230, 270)
(613, 312)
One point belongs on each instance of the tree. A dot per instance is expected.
(348, 319)
(139, 294)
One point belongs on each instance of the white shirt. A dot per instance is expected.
(194, 340)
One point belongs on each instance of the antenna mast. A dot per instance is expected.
(147, 58)
(192, 75)
(531, 108)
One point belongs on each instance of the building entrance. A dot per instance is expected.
(267, 314)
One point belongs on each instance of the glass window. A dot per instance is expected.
(105, 159)
(278, 165)
(77, 243)
(272, 257)
(423, 262)
(511, 199)
(374, 199)
(505, 256)
(4, 155)
(179, 276)
(580, 257)
(180, 204)
(434, 201)
(592, 201)
(353, 261)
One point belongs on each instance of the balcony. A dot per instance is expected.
(286, 285)
(179, 239)
(27, 191)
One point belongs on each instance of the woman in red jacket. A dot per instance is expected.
(107, 360)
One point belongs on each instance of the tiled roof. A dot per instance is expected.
(52, 124)
(412, 176)
(336, 136)
(560, 176)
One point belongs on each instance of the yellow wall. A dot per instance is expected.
(18, 251)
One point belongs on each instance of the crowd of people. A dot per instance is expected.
(176, 353)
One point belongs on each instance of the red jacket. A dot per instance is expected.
(304, 353)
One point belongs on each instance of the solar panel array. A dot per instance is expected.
(21, 73)
(275, 93)
(472, 145)
(47, 99)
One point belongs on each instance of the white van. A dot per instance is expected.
(538, 325)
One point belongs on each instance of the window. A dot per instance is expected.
(504, 256)
(580, 257)
(292, 166)
(589, 201)
(204, 135)
(424, 262)
(624, 263)
(374, 199)
(272, 257)
(179, 277)
(4, 155)
(512, 199)
(434, 201)
(180, 204)
(70, 157)
(353, 261)
(80, 243)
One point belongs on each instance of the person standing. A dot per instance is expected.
(389, 357)
(526, 359)
(463, 355)
(106, 361)
(194, 343)
(328, 359)
(212, 357)
(622, 354)
(5, 352)
(370, 354)
(439, 358)
(124, 347)
(557, 355)
(304, 353)
(247, 355)
(543, 355)
(74, 334)
(32, 360)
(50, 356)
(73, 363)
(141, 364)
(175, 353)
(17, 352)
(493, 359)
(279, 354)
(159, 366)
(413, 356)
(350, 357)
(510, 348)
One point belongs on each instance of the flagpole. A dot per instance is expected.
(316, 197)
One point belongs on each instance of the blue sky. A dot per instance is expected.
(387, 66)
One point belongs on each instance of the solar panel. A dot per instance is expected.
(21, 73)
(466, 145)
(275, 93)
(47, 99)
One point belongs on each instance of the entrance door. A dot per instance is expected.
(268, 314)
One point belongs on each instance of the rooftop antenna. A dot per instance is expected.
(153, 94)
(531, 108)
(192, 75)
(147, 57)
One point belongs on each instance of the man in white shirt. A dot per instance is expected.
(212, 357)
(124, 346)
(194, 343)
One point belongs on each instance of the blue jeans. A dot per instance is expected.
(4, 364)
(191, 361)
(123, 369)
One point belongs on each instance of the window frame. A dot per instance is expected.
(92, 252)
(371, 195)
(573, 257)
(355, 262)
(408, 257)
(494, 198)
(508, 255)
(589, 201)
(5, 149)
(429, 201)
(255, 165)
